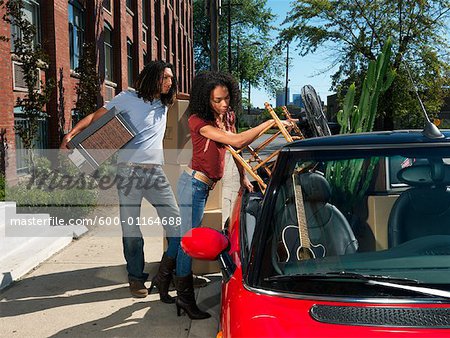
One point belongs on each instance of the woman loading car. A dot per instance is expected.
(213, 97)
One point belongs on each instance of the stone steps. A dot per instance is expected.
(29, 241)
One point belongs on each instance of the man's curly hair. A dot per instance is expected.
(148, 83)
(202, 86)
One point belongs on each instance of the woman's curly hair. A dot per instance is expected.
(148, 83)
(202, 86)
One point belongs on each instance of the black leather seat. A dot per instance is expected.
(326, 224)
(423, 209)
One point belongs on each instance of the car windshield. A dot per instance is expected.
(360, 223)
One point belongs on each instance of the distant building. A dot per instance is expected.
(281, 97)
(297, 100)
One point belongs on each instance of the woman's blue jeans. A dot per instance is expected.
(133, 184)
(192, 195)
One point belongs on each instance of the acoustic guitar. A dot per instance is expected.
(296, 238)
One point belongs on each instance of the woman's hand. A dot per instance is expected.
(289, 123)
(245, 183)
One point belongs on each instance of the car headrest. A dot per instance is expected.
(422, 175)
(315, 187)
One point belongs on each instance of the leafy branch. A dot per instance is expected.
(31, 58)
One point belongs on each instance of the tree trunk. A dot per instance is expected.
(386, 112)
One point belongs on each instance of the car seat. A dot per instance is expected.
(326, 224)
(423, 209)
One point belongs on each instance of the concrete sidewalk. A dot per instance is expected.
(83, 292)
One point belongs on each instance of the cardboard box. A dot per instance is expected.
(173, 172)
(215, 197)
(177, 138)
(211, 219)
(178, 150)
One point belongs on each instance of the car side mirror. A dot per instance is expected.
(209, 244)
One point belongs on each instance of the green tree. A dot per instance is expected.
(255, 61)
(355, 30)
(265, 115)
(31, 58)
(88, 86)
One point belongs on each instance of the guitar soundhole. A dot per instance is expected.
(305, 253)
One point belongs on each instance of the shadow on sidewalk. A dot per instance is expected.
(153, 319)
(97, 290)
(54, 290)
(141, 319)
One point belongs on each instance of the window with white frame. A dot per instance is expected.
(130, 63)
(77, 27)
(109, 55)
(144, 35)
(40, 142)
(129, 4)
(107, 5)
(31, 12)
(146, 12)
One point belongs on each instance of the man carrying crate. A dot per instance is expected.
(140, 173)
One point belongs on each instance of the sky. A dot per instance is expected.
(302, 70)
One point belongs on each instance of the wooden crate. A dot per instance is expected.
(100, 140)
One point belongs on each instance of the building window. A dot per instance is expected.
(146, 12)
(40, 142)
(146, 57)
(166, 29)
(109, 56)
(158, 29)
(183, 13)
(107, 5)
(174, 42)
(76, 32)
(19, 81)
(31, 13)
(76, 117)
(130, 63)
(144, 35)
(158, 18)
(130, 5)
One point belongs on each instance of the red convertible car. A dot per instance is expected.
(350, 239)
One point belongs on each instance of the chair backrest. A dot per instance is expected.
(254, 164)
(423, 209)
(326, 224)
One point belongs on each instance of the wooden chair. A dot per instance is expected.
(253, 163)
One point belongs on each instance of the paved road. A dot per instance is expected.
(274, 145)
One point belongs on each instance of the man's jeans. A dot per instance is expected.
(135, 183)
(192, 195)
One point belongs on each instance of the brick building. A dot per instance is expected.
(126, 33)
